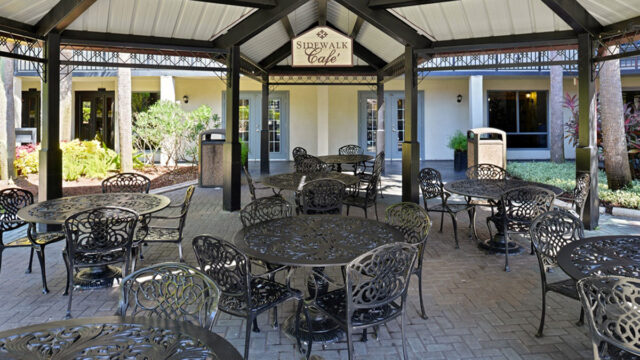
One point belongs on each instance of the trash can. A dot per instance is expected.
(210, 158)
(487, 146)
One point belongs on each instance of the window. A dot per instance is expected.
(522, 115)
(141, 101)
(632, 99)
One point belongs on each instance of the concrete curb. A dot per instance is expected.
(629, 213)
(174, 187)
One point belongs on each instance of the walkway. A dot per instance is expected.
(476, 310)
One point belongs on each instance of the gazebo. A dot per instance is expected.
(253, 38)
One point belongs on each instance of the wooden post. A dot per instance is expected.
(587, 149)
(50, 172)
(380, 136)
(125, 123)
(231, 148)
(264, 132)
(410, 146)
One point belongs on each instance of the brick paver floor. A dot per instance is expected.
(476, 310)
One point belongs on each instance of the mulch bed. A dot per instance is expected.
(160, 176)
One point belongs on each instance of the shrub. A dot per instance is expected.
(458, 141)
(563, 176)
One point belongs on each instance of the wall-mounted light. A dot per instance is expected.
(185, 99)
(459, 98)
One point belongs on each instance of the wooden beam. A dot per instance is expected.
(18, 28)
(62, 15)
(410, 144)
(249, 3)
(322, 12)
(388, 23)
(264, 131)
(576, 16)
(231, 163)
(276, 57)
(287, 26)
(387, 4)
(623, 26)
(355, 70)
(551, 38)
(256, 23)
(363, 53)
(356, 28)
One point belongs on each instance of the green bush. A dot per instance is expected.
(90, 159)
(563, 176)
(244, 153)
(458, 141)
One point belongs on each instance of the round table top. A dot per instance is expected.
(602, 255)
(115, 337)
(56, 211)
(492, 189)
(314, 240)
(345, 159)
(291, 181)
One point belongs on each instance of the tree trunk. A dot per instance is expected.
(556, 131)
(124, 119)
(614, 141)
(66, 92)
(7, 119)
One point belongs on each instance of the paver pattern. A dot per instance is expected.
(475, 309)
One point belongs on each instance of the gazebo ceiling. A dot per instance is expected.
(430, 22)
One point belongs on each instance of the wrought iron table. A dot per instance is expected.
(492, 190)
(602, 255)
(314, 241)
(115, 337)
(338, 160)
(291, 181)
(55, 212)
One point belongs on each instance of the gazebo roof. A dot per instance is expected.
(380, 28)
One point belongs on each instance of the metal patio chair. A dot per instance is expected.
(375, 291)
(311, 164)
(126, 182)
(170, 291)
(579, 193)
(484, 172)
(431, 186)
(322, 196)
(97, 237)
(366, 197)
(252, 185)
(365, 176)
(549, 233)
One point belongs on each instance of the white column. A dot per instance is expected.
(66, 106)
(17, 101)
(7, 117)
(323, 120)
(167, 88)
(124, 120)
(476, 102)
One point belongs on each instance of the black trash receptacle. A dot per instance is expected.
(210, 158)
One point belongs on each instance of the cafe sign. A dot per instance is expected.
(322, 47)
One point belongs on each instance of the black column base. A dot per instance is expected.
(231, 179)
(410, 169)
(96, 277)
(497, 245)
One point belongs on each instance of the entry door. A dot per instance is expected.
(394, 122)
(251, 123)
(94, 116)
(31, 110)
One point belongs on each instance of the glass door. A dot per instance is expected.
(94, 116)
(31, 110)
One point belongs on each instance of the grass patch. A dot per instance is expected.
(563, 176)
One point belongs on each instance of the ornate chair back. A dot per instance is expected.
(265, 209)
(486, 172)
(184, 209)
(297, 151)
(524, 204)
(412, 220)
(431, 186)
(170, 291)
(252, 186)
(100, 231)
(379, 277)
(612, 305)
(11, 201)
(126, 182)
(311, 164)
(350, 150)
(323, 196)
(581, 191)
(550, 232)
(229, 268)
(371, 191)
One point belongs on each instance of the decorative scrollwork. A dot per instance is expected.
(265, 209)
(297, 151)
(411, 219)
(486, 172)
(520, 206)
(581, 191)
(553, 230)
(11, 201)
(324, 196)
(430, 182)
(611, 304)
(350, 150)
(252, 186)
(101, 341)
(126, 183)
(345, 159)
(608, 256)
(311, 164)
(170, 291)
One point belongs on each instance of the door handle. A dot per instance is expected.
(394, 129)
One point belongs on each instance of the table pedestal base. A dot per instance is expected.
(325, 330)
(96, 277)
(496, 245)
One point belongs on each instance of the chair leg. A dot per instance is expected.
(404, 337)
(532, 251)
(30, 262)
(69, 285)
(380, 189)
(256, 329)
(247, 338)
(66, 264)
(473, 224)
(544, 310)
(375, 206)
(455, 229)
(43, 272)
(423, 314)
(350, 342)
(364, 335)
(506, 252)
(180, 251)
(365, 212)
(274, 312)
(348, 207)
(581, 321)
(441, 220)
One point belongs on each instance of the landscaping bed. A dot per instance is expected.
(563, 176)
(160, 176)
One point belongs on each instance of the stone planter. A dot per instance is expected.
(459, 160)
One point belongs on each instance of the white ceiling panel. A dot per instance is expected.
(268, 41)
(612, 11)
(379, 43)
(26, 11)
(304, 16)
(340, 17)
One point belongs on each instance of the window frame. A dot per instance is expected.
(517, 97)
